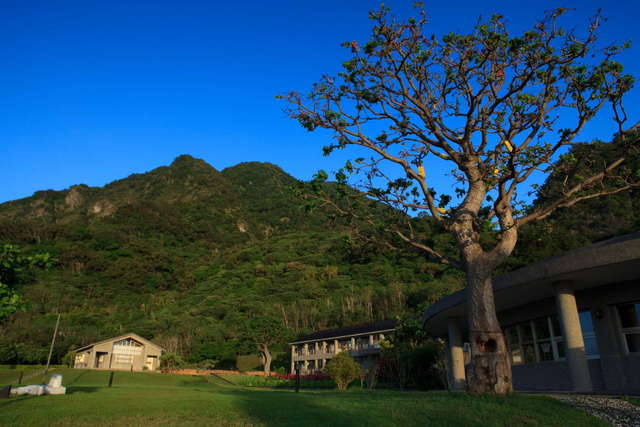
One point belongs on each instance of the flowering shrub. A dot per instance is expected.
(309, 377)
(281, 380)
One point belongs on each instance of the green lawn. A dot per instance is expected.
(148, 399)
(10, 375)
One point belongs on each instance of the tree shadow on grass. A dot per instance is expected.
(75, 380)
(14, 399)
(83, 389)
(287, 408)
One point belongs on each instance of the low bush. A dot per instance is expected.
(343, 370)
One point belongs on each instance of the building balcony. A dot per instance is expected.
(364, 350)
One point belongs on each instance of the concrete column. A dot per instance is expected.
(293, 358)
(456, 355)
(353, 343)
(306, 350)
(370, 339)
(576, 358)
(336, 347)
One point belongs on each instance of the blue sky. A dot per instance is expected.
(93, 91)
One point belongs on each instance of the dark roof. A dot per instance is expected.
(363, 328)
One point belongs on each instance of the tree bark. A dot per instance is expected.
(265, 356)
(490, 367)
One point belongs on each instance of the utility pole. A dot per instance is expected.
(53, 341)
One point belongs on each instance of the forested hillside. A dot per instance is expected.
(188, 256)
(192, 257)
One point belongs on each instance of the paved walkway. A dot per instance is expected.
(618, 412)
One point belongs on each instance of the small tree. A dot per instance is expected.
(207, 364)
(169, 362)
(494, 107)
(266, 331)
(343, 370)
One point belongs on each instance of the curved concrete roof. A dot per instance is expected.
(609, 261)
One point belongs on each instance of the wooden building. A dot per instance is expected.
(128, 352)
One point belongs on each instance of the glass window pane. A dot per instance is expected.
(633, 342)
(525, 331)
(629, 315)
(542, 328)
(529, 353)
(557, 328)
(590, 345)
(516, 355)
(586, 323)
(512, 335)
(560, 345)
(546, 351)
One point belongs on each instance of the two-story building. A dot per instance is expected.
(312, 352)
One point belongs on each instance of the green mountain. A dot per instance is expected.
(187, 256)
(194, 258)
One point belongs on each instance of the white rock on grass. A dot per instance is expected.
(34, 390)
(54, 387)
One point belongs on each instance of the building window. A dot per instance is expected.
(630, 323)
(128, 342)
(588, 334)
(124, 359)
(345, 345)
(538, 340)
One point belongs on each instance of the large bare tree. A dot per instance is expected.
(498, 109)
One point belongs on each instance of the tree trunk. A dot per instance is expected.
(265, 355)
(490, 368)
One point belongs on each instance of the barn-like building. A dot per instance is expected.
(125, 352)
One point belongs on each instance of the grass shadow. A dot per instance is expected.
(82, 389)
(307, 408)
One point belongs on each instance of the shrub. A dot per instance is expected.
(343, 370)
(207, 364)
(170, 362)
(248, 362)
(69, 359)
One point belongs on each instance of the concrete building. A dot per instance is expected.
(313, 352)
(571, 322)
(128, 352)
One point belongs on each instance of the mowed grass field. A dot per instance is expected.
(158, 399)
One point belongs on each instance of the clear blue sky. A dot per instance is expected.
(93, 91)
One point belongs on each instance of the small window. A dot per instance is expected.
(124, 359)
(588, 334)
(630, 323)
(629, 315)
